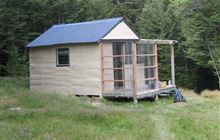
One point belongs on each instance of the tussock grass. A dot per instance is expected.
(187, 92)
(211, 94)
(39, 115)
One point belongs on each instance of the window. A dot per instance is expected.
(63, 57)
(122, 55)
(139, 52)
(128, 51)
(145, 49)
(118, 62)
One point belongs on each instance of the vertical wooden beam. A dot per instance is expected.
(102, 68)
(29, 66)
(156, 66)
(172, 65)
(135, 76)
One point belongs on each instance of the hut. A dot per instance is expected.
(101, 57)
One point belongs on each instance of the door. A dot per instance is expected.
(118, 64)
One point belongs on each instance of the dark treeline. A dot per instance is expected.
(194, 23)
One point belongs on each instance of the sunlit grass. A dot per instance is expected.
(35, 115)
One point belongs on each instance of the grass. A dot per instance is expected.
(31, 115)
(211, 94)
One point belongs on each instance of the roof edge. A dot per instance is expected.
(63, 44)
(122, 19)
(87, 22)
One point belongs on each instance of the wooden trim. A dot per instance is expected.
(129, 55)
(156, 68)
(147, 79)
(172, 65)
(116, 81)
(146, 67)
(116, 56)
(57, 57)
(63, 65)
(102, 67)
(119, 40)
(135, 74)
(145, 55)
(64, 45)
(116, 68)
(157, 41)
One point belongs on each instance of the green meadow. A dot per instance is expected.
(26, 115)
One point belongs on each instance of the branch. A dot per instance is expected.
(215, 65)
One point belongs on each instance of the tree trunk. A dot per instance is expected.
(215, 66)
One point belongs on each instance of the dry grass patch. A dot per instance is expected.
(188, 92)
(211, 94)
(8, 101)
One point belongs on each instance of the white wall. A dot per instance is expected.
(121, 31)
(82, 77)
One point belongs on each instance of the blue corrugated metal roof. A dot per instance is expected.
(82, 32)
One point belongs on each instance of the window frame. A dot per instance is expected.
(128, 51)
(57, 58)
(116, 50)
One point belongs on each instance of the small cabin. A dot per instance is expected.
(101, 57)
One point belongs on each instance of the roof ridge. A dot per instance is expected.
(88, 22)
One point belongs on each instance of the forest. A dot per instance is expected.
(195, 24)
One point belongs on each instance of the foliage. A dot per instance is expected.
(157, 20)
(17, 64)
(202, 33)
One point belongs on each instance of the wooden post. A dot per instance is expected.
(172, 65)
(134, 52)
(156, 66)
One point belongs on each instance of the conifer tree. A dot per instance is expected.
(201, 29)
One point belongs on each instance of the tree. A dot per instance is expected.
(159, 20)
(201, 29)
(17, 65)
(13, 31)
(129, 9)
